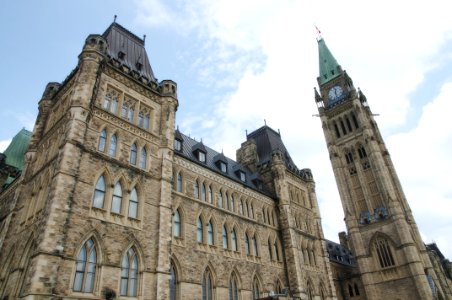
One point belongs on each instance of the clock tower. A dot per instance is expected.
(391, 257)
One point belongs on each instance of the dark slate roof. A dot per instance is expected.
(268, 140)
(339, 254)
(191, 146)
(122, 40)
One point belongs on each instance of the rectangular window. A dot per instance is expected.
(177, 145)
(242, 176)
(201, 156)
(223, 167)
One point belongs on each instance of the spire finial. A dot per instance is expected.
(265, 122)
(144, 38)
(319, 33)
(114, 19)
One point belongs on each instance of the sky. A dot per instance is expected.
(238, 63)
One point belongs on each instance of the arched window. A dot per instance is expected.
(99, 193)
(247, 244)
(133, 154)
(133, 204)
(270, 254)
(102, 140)
(256, 289)
(356, 289)
(199, 236)
(176, 224)
(210, 240)
(350, 291)
(227, 201)
(277, 251)
(252, 211)
(196, 193)
(129, 273)
(234, 240)
(255, 250)
(143, 157)
(278, 287)
(233, 289)
(310, 295)
(179, 182)
(203, 192)
(225, 238)
(116, 200)
(220, 199)
(85, 270)
(210, 195)
(173, 283)
(241, 206)
(232, 203)
(384, 253)
(207, 286)
(113, 144)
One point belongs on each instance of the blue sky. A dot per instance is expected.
(240, 62)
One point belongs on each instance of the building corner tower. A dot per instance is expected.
(391, 257)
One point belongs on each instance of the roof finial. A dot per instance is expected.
(246, 133)
(319, 33)
(114, 19)
(144, 38)
(265, 122)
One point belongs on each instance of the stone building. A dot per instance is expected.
(106, 199)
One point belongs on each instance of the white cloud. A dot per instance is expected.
(4, 144)
(386, 48)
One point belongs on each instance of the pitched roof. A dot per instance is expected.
(328, 66)
(16, 150)
(268, 140)
(189, 149)
(339, 254)
(127, 48)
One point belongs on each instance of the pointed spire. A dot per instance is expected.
(328, 66)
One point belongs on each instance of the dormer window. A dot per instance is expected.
(201, 156)
(121, 55)
(139, 66)
(223, 167)
(177, 145)
(242, 176)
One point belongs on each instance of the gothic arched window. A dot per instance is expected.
(196, 191)
(210, 237)
(99, 193)
(220, 199)
(133, 154)
(176, 224)
(85, 270)
(179, 183)
(255, 250)
(129, 274)
(203, 192)
(113, 144)
(210, 195)
(199, 236)
(116, 200)
(133, 204)
(233, 289)
(384, 253)
(143, 157)
(234, 240)
(225, 238)
(270, 253)
(247, 244)
(207, 286)
(256, 289)
(173, 283)
(102, 141)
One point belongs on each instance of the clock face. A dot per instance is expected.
(335, 93)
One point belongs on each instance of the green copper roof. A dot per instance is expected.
(328, 66)
(16, 150)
